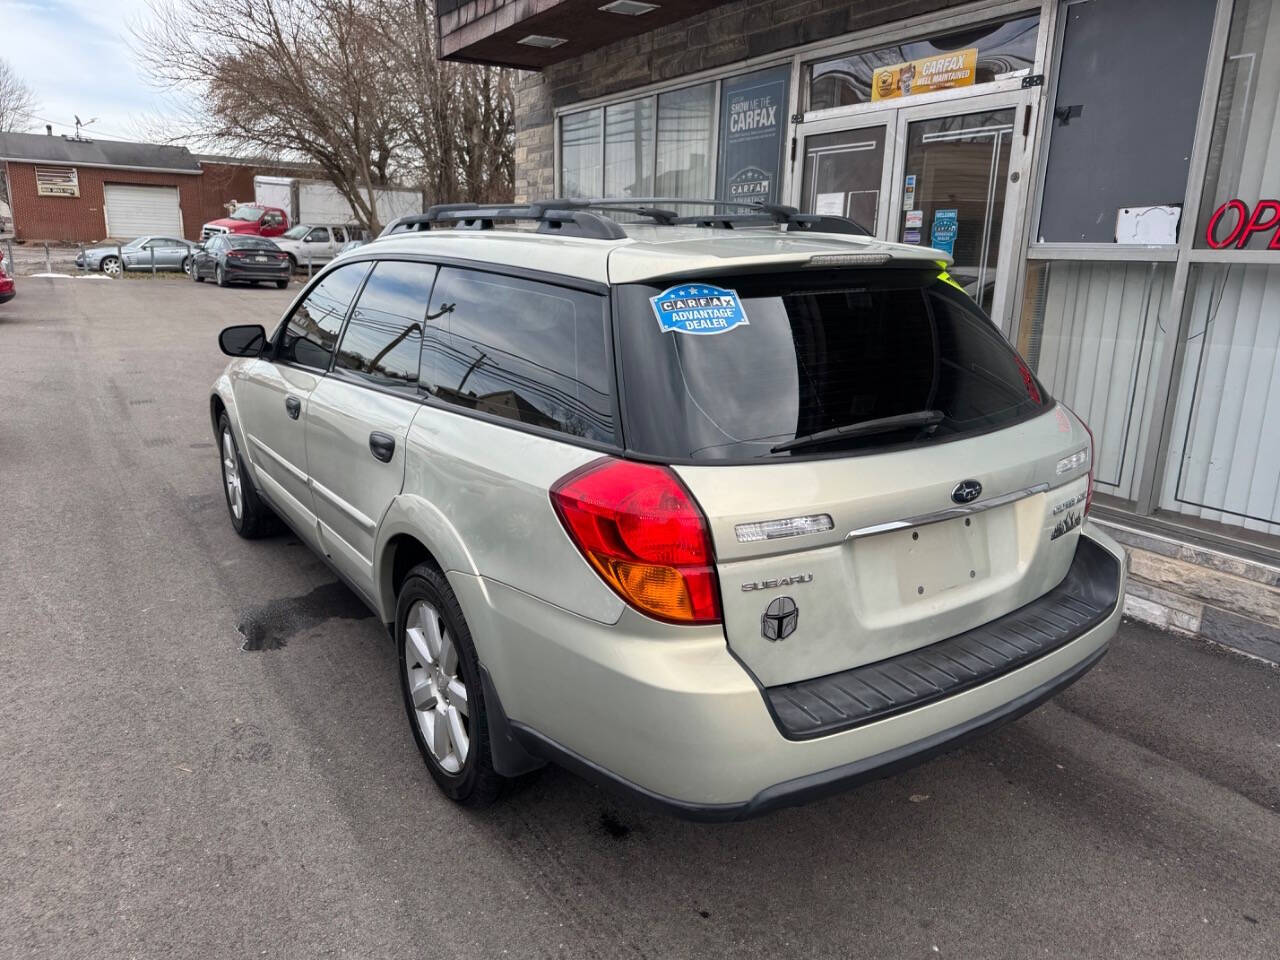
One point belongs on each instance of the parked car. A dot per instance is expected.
(724, 515)
(170, 253)
(315, 244)
(232, 258)
(8, 289)
(251, 219)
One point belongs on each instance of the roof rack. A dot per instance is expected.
(589, 217)
(552, 216)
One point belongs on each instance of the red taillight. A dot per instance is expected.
(1029, 382)
(643, 533)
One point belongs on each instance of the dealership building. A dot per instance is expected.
(1105, 174)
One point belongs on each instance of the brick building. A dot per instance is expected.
(1104, 174)
(81, 190)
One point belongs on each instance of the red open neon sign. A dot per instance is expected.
(1265, 216)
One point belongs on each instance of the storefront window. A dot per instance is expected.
(628, 149)
(1224, 461)
(1241, 201)
(1091, 331)
(1104, 108)
(981, 54)
(686, 125)
(581, 156)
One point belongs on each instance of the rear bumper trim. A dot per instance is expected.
(1085, 598)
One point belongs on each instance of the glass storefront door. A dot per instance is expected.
(946, 175)
(845, 175)
(953, 187)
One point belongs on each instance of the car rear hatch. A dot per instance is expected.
(880, 471)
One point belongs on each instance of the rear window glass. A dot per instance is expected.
(252, 243)
(828, 363)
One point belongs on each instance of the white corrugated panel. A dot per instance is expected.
(1224, 452)
(135, 211)
(1094, 341)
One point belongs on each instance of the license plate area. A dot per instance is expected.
(260, 259)
(899, 573)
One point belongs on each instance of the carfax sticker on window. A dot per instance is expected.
(698, 308)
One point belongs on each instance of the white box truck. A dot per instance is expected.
(318, 201)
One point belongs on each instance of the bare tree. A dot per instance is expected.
(352, 86)
(460, 118)
(17, 103)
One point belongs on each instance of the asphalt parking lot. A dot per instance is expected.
(166, 793)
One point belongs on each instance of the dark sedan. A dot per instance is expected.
(232, 258)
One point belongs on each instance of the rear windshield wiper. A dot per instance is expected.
(865, 428)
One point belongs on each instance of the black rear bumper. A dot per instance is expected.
(825, 705)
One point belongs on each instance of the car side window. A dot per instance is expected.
(383, 338)
(339, 236)
(318, 235)
(309, 336)
(521, 349)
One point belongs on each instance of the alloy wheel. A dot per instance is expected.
(441, 705)
(231, 475)
(111, 267)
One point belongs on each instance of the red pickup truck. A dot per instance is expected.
(250, 218)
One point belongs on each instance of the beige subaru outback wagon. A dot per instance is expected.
(727, 510)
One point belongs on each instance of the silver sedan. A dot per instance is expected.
(169, 253)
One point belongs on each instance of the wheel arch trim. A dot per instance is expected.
(416, 517)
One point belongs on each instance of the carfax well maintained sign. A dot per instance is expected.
(698, 308)
(753, 125)
(958, 68)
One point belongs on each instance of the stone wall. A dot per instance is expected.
(726, 35)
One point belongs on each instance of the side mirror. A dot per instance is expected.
(244, 340)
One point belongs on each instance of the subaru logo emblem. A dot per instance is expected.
(966, 491)
(780, 619)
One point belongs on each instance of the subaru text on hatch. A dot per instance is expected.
(724, 510)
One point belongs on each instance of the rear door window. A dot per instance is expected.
(522, 350)
(828, 363)
(312, 329)
(383, 337)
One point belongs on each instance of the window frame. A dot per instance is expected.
(348, 375)
(603, 290)
(278, 336)
(612, 383)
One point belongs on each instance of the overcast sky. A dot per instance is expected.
(74, 54)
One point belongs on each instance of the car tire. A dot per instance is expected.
(281, 284)
(186, 265)
(195, 274)
(293, 264)
(110, 266)
(449, 683)
(250, 517)
(220, 277)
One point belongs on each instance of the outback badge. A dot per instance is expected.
(780, 619)
(966, 491)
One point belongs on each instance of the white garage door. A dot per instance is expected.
(134, 211)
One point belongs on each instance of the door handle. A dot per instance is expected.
(382, 446)
(292, 406)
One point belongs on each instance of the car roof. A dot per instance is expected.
(650, 252)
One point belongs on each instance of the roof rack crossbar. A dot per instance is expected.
(553, 216)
